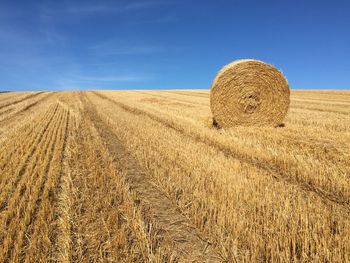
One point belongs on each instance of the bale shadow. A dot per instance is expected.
(216, 125)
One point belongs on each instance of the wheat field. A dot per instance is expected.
(142, 176)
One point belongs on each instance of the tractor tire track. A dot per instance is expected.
(29, 167)
(4, 96)
(20, 100)
(171, 99)
(191, 94)
(184, 238)
(36, 143)
(25, 199)
(275, 172)
(197, 94)
(10, 117)
(50, 183)
(27, 130)
(61, 237)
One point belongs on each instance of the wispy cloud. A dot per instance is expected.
(112, 49)
(144, 4)
(50, 54)
(110, 79)
(158, 20)
(91, 9)
(111, 7)
(98, 82)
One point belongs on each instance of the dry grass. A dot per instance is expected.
(141, 176)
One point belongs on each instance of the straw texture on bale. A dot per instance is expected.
(249, 92)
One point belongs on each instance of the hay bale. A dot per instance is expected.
(249, 92)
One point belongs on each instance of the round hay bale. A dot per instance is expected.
(249, 92)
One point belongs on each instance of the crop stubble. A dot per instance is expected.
(136, 176)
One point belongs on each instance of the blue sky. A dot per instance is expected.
(61, 45)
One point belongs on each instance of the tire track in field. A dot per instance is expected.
(29, 165)
(172, 99)
(296, 97)
(20, 100)
(25, 133)
(6, 111)
(191, 94)
(19, 212)
(63, 222)
(196, 94)
(10, 116)
(26, 160)
(17, 119)
(179, 234)
(38, 132)
(42, 216)
(276, 172)
(5, 100)
(6, 96)
(308, 108)
(30, 196)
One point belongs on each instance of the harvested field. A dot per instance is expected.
(142, 176)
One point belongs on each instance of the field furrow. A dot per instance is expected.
(21, 158)
(16, 101)
(62, 241)
(24, 115)
(179, 234)
(102, 216)
(21, 206)
(19, 143)
(167, 99)
(333, 190)
(24, 235)
(6, 96)
(11, 112)
(191, 94)
(143, 176)
(40, 233)
(231, 201)
(301, 114)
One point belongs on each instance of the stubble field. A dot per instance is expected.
(142, 176)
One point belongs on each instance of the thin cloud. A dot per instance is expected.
(110, 79)
(141, 5)
(98, 82)
(93, 8)
(164, 19)
(109, 49)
